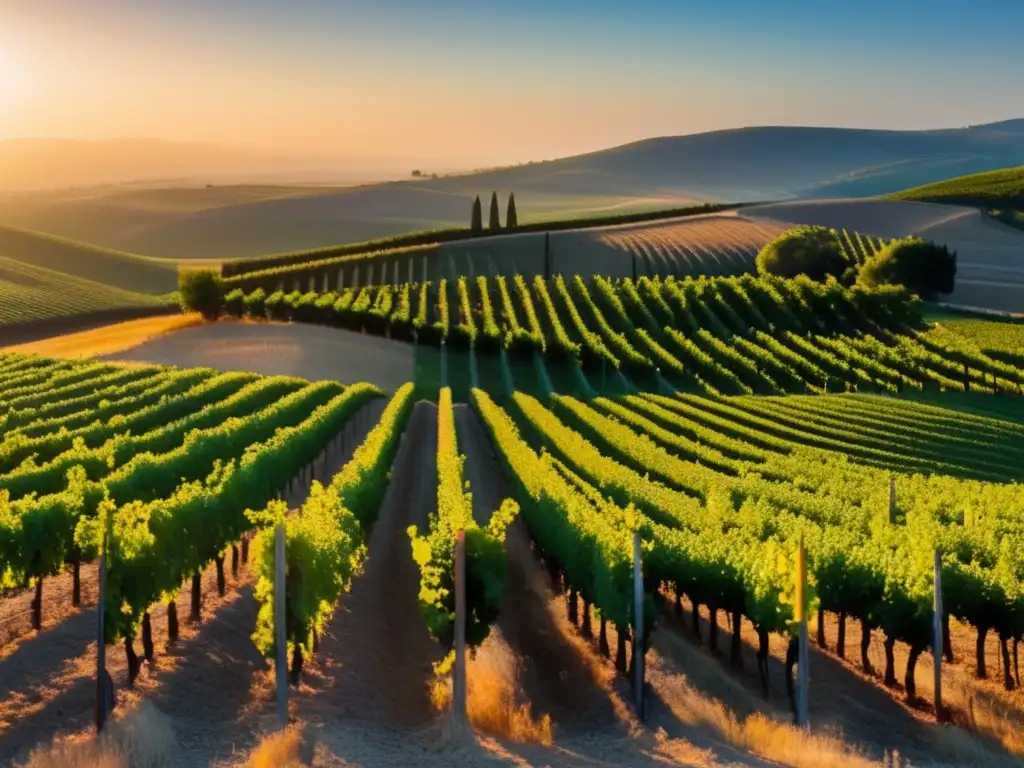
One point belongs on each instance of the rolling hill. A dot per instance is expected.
(1001, 193)
(761, 163)
(31, 294)
(1004, 186)
(119, 270)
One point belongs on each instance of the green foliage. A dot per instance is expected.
(157, 539)
(202, 291)
(584, 538)
(234, 302)
(434, 550)
(466, 330)
(813, 251)
(924, 268)
(717, 335)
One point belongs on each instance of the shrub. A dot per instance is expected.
(273, 305)
(201, 290)
(254, 303)
(924, 268)
(812, 251)
(234, 302)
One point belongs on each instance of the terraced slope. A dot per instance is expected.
(993, 187)
(30, 293)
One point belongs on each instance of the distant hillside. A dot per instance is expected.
(35, 164)
(766, 163)
(746, 164)
(118, 270)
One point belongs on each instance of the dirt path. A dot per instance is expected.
(213, 683)
(16, 607)
(375, 660)
(281, 349)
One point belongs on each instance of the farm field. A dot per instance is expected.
(721, 483)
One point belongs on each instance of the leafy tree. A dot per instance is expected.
(511, 217)
(924, 268)
(201, 290)
(813, 251)
(495, 223)
(476, 225)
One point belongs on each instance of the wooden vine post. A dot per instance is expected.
(803, 670)
(638, 626)
(104, 684)
(892, 498)
(444, 364)
(280, 640)
(459, 675)
(937, 629)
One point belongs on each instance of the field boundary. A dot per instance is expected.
(382, 246)
(39, 330)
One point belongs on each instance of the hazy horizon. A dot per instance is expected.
(475, 85)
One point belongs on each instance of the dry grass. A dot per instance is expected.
(141, 738)
(977, 709)
(108, 340)
(493, 701)
(279, 750)
(763, 735)
(735, 716)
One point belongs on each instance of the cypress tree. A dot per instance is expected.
(495, 223)
(511, 218)
(476, 225)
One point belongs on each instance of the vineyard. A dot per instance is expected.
(76, 259)
(30, 293)
(990, 187)
(723, 419)
(715, 336)
(1000, 340)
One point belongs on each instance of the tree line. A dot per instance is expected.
(476, 223)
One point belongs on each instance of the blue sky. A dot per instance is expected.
(497, 81)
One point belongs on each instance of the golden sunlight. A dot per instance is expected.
(11, 74)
